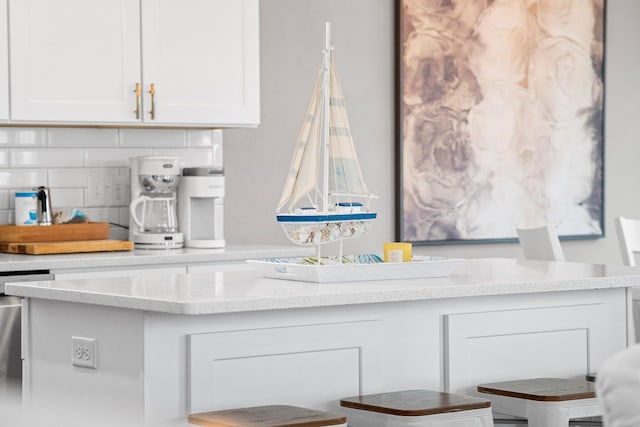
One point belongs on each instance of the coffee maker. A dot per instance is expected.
(154, 184)
(201, 207)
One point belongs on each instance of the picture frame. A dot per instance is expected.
(500, 119)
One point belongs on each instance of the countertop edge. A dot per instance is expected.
(343, 294)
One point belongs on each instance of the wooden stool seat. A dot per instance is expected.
(268, 416)
(415, 408)
(542, 389)
(410, 403)
(544, 402)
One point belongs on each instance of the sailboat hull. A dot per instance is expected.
(329, 218)
(325, 228)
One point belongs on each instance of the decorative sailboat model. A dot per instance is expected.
(325, 173)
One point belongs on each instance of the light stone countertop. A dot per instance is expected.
(245, 290)
(149, 257)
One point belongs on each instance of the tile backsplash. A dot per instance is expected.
(74, 161)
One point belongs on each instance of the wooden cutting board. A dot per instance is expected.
(54, 233)
(43, 248)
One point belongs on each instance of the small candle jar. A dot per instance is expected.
(397, 252)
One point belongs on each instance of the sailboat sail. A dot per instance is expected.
(303, 172)
(325, 164)
(345, 175)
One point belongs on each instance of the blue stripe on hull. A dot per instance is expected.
(364, 216)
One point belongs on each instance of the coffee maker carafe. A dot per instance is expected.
(201, 207)
(154, 220)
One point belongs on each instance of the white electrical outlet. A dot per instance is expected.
(84, 352)
(95, 191)
(118, 190)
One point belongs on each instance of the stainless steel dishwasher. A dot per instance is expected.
(10, 321)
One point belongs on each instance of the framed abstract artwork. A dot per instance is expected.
(500, 118)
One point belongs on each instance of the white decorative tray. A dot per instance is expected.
(353, 268)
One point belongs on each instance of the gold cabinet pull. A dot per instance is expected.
(152, 92)
(138, 91)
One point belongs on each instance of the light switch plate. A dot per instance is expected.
(96, 191)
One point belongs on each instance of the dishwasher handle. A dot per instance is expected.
(8, 301)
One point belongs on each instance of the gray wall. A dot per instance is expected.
(292, 38)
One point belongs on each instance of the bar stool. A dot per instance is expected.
(416, 408)
(544, 402)
(268, 416)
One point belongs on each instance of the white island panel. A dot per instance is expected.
(56, 391)
(247, 365)
(551, 340)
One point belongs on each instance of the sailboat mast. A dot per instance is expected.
(326, 88)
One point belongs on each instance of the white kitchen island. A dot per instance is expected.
(169, 345)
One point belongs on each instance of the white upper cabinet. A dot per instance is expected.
(202, 56)
(4, 66)
(135, 62)
(74, 60)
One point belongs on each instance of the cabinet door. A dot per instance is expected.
(4, 66)
(74, 60)
(249, 366)
(569, 337)
(202, 56)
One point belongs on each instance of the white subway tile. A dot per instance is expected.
(69, 178)
(130, 138)
(22, 136)
(6, 217)
(5, 195)
(189, 158)
(82, 137)
(45, 157)
(22, 178)
(102, 214)
(4, 158)
(124, 171)
(123, 217)
(109, 157)
(200, 138)
(217, 135)
(118, 233)
(217, 148)
(67, 198)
